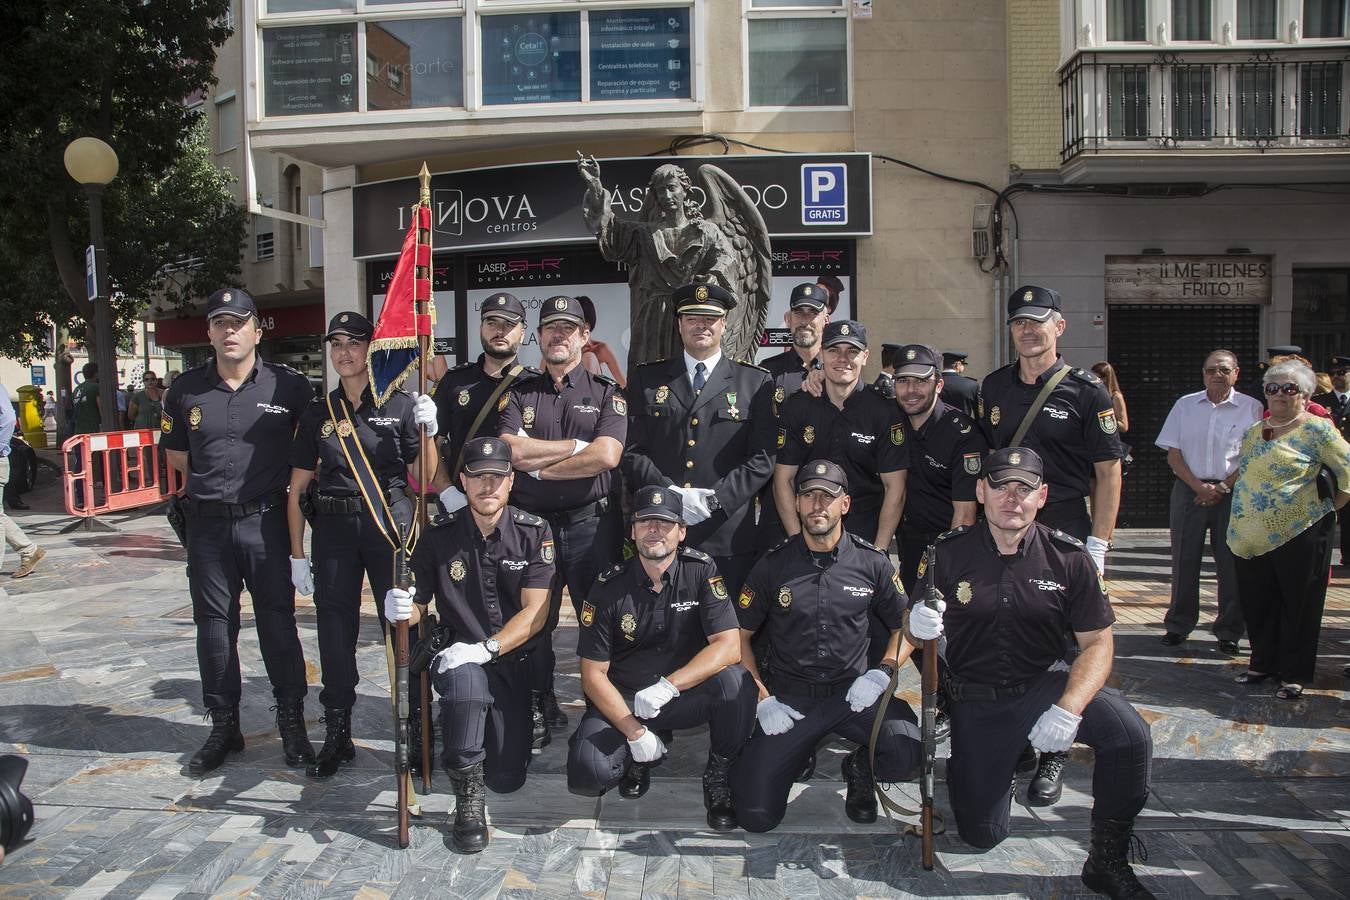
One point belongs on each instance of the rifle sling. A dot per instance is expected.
(1050, 384)
(482, 416)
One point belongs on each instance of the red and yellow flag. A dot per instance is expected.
(408, 312)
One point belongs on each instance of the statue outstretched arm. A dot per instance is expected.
(594, 209)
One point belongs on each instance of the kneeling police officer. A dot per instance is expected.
(489, 568)
(1013, 588)
(659, 648)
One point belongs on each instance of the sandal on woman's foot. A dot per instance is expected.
(1253, 677)
(1290, 692)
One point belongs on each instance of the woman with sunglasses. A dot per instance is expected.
(1281, 526)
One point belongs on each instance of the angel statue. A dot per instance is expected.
(673, 243)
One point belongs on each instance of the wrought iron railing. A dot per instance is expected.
(1205, 100)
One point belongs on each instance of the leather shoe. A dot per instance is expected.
(637, 777)
(1171, 639)
(1229, 647)
(1046, 787)
(1027, 761)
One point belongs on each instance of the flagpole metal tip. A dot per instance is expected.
(425, 177)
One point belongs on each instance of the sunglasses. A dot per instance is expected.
(1218, 370)
(1287, 388)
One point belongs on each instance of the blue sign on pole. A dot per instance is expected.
(39, 374)
(90, 273)
(824, 194)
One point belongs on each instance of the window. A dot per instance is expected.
(309, 69)
(531, 58)
(799, 62)
(639, 54)
(1191, 20)
(1255, 100)
(264, 245)
(414, 64)
(1319, 99)
(1323, 18)
(291, 6)
(1192, 102)
(1125, 20)
(1256, 19)
(1127, 99)
(227, 122)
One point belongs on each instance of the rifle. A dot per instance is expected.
(398, 689)
(929, 687)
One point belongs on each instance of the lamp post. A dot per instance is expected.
(92, 163)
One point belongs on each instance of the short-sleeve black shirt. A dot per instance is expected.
(945, 459)
(1075, 428)
(587, 407)
(1009, 618)
(866, 438)
(476, 580)
(788, 373)
(460, 396)
(388, 435)
(238, 441)
(643, 633)
(817, 606)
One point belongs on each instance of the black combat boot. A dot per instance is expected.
(225, 738)
(540, 735)
(860, 803)
(415, 743)
(637, 777)
(1048, 784)
(1027, 761)
(1107, 870)
(470, 833)
(337, 744)
(717, 793)
(294, 739)
(554, 717)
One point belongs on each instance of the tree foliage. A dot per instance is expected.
(123, 71)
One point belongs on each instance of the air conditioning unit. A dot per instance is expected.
(981, 242)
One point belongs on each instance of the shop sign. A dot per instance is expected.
(1235, 278)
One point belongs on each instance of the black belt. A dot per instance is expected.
(214, 509)
(579, 514)
(958, 690)
(338, 505)
(800, 687)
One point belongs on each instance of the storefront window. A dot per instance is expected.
(309, 69)
(414, 64)
(798, 62)
(639, 54)
(532, 58)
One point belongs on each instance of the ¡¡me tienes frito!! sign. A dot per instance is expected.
(1188, 279)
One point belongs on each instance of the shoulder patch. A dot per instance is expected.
(445, 519)
(867, 545)
(692, 553)
(780, 545)
(1067, 540)
(531, 370)
(609, 574)
(951, 533)
(527, 518)
(285, 368)
(604, 379)
(462, 366)
(1085, 375)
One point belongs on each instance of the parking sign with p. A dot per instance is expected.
(824, 194)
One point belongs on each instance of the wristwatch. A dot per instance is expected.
(713, 503)
(493, 648)
(887, 668)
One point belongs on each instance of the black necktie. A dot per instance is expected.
(700, 377)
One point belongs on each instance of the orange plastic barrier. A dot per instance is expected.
(116, 470)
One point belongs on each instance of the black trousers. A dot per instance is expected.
(485, 717)
(225, 556)
(988, 736)
(598, 752)
(348, 548)
(1069, 516)
(1343, 517)
(767, 766)
(581, 551)
(1283, 593)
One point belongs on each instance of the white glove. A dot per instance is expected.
(1096, 548)
(398, 605)
(696, 508)
(535, 475)
(866, 688)
(647, 748)
(925, 623)
(452, 498)
(456, 655)
(301, 576)
(775, 717)
(578, 445)
(1054, 730)
(424, 411)
(647, 702)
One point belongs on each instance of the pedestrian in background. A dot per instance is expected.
(30, 554)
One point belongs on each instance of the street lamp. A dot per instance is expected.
(93, 163)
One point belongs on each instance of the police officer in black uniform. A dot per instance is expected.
(704, 424)
(885, 383)
(227, 425)
(464, 391)
(815, 595)
(359, 455)
(1012, 587)
(1075, 432)
(659, 650)
(489, 568)
(959, 390)
(566, 427)
(856, 428)
(809, 311)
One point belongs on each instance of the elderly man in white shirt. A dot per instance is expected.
(1203, 437)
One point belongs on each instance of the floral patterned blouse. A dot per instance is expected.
(1275, 497)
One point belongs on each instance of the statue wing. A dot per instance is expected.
(734, 213)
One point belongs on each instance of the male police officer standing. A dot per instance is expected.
(659, 650)
(703, 424)
(227, 425)
(959, 390)
(566, 428)
(1074, 431)
(1012, 588)
(815, 595)
(489, 570)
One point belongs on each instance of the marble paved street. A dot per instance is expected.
(98, 688)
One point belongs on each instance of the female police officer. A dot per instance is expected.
(361, 455)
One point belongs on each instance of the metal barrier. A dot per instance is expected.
(124, 468)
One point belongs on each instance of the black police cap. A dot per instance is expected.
(1014, 464)
(698, 299)
(916, 361)
(231, 302)
(560, 307)
(1284, 350)
(812, 295)
(846, 331)
(353, 325)
(822, 475)
(954, 356)
(487, 456)
(503, 305)
(1340, 362)
(1033, 302)
(658, 502)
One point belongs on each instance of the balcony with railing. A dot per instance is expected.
(1269, 114)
